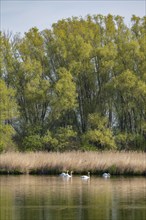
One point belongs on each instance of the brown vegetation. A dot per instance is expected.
(117, 163)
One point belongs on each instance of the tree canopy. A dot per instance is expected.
(79, 85)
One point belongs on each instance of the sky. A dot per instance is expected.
(21, 15)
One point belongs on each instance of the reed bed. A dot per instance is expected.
(117, 163)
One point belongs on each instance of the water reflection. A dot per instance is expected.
(56, 198)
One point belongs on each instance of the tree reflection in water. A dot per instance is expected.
(54, 198)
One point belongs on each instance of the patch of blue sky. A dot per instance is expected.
(20, 16)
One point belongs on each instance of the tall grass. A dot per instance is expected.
(127, 163)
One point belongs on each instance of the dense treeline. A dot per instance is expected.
(79, 85)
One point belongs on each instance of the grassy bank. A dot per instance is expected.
(117, 163)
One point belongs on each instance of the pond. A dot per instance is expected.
(29, 197)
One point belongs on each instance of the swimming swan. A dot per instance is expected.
(106, 175)
(67, 175)
(62, 174)
(86, 177)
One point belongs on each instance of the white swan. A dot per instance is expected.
(68, 175)
(106, 175)
(86, 177)
(62, 174)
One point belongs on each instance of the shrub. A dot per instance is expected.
(98, 133)
(32, 143)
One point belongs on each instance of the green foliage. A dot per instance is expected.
(84, 80)
(8, 107)
(128, 141)
(6, 133)
(66, 138)
(87, 147)
(65, 92)
(62, 140)
(32, 143)
(8, 110)
(123, 140)
(99, 135)
(50, 142)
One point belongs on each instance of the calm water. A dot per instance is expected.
(55, 198)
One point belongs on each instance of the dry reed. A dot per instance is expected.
(117, 163)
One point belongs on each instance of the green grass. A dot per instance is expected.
(117, 163)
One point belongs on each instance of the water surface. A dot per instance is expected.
(54, 198)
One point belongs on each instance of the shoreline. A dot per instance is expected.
(54, 163)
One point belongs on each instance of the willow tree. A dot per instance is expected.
(41, 97)
(79, 72)
(82, 47)
(8, 112)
